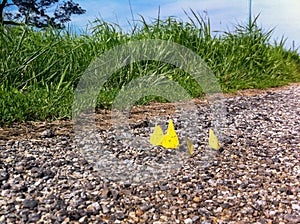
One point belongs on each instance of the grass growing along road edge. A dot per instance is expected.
(39, 70)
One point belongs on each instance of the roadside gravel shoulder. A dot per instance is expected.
(45, 178)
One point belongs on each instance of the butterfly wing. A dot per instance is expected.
(190, 146)
(157, 136)
(170, 140)
(213, 140)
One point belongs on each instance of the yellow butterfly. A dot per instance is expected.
(169, 140)
(190, 146)
(213, 140)
(157, 136)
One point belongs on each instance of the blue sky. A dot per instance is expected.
(284, 16)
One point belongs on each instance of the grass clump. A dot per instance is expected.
(37, 104)
(250, 61)
(39, 70)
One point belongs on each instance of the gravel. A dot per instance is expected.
(47, 178)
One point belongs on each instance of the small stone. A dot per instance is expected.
(188, 221)
(49, 133)
(105, 209)
(9, 159)
(4, 175)
(195, 218)
(24, 214)
(212, 182)
(96, 205)
(34, 217)
(145, 208)
(155, 217)
(2, 219)
(295, 207)
(82, 219)
(239, 181)
(292, 218)
(185, 179)
(261, 202)
(93, 208)
(208, 201)
(10, 142)
(119, 215)
(164, 187)
(19, 168)
(219, 209)
(175, 192)
(131, 215)
(30, 203)
(164, 218)
(66, 220)
(226, 206)
(139, 212)
(215, 163)
(196, 199)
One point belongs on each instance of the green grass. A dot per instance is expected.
(40, 70)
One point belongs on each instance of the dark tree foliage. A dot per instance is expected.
(38, 13)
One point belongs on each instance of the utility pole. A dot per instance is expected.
(250, 11)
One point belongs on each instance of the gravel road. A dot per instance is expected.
(44, 178)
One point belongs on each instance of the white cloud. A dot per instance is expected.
(284, 16)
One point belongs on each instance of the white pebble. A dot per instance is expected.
(295, 207)
(188, 221)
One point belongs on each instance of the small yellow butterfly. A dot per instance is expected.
(213, 140)
(169, 140)
(157, 136)
(190, 146)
